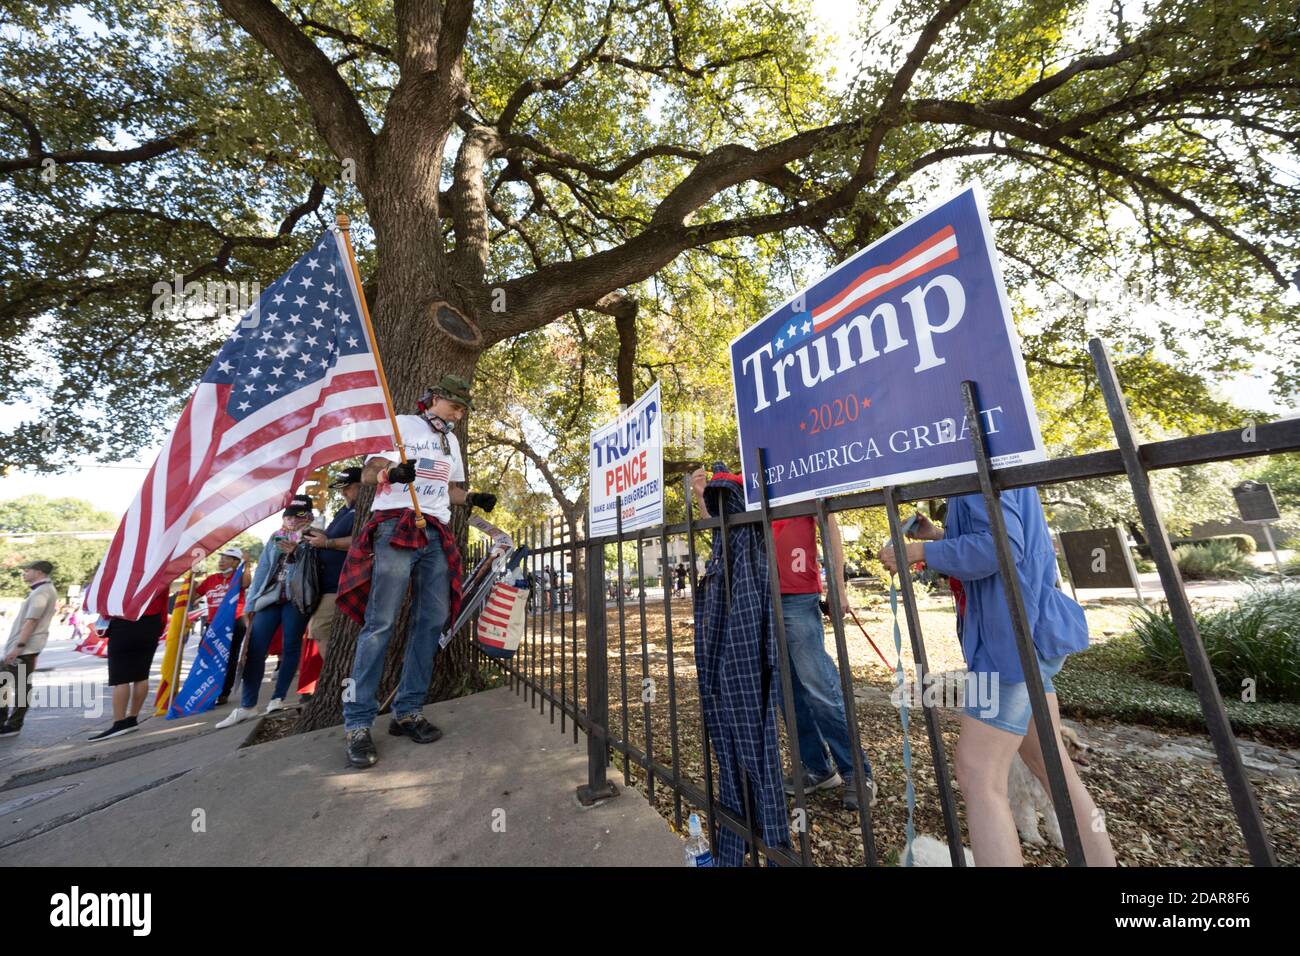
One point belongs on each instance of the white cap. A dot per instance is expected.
(232, 552)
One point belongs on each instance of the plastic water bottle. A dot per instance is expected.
(697, 848)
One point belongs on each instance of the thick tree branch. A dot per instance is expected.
(967, 114)
(335, 111)
(469, 201)
(104, 157)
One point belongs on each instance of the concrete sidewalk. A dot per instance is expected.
(498, 789)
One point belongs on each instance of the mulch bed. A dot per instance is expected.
(1160, 812)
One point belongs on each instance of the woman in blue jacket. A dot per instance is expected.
(269, 609)
(992, 734)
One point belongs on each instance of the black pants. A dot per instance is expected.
(232, 666)
(18, 676)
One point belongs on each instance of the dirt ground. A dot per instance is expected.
(1161, 810)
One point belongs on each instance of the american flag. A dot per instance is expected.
(939, 249)
(295, 387)
(432, 470)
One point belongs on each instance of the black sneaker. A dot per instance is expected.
(361, 749)
(813, 782)
(415, 727)
(120, 727)
(8, 730)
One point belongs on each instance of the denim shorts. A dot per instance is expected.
(1009, 710)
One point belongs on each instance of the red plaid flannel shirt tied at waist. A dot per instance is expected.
(354, 580)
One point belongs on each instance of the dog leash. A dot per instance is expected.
(909, 832)
(854, 615)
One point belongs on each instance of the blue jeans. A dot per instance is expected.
(287, 617)
(426, 571)
(818, 700)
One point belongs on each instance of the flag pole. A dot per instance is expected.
(345, 227)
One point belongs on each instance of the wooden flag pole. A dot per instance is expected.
(344, 227)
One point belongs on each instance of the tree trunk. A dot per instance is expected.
(416, 353)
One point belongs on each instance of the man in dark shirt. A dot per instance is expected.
(333, 544)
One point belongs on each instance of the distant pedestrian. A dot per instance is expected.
(31, 629)
(681, 579)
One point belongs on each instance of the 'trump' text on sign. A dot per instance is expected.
(856, 381)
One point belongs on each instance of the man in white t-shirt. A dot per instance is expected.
(403, 554)
(31, 630)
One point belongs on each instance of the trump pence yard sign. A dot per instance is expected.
(856, 381)
(626, 460)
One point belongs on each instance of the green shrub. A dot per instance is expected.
(1258, 639)
(1213, 559)
(1243, 542)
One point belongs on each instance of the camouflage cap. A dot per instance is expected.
(453, 388)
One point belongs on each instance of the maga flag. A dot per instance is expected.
(203, 683)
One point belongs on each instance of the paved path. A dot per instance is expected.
(498, 789)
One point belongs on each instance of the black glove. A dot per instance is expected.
(481, 499)
(402, 474)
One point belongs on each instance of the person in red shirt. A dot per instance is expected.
(814, 679)
(213, 589)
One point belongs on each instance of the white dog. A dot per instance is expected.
(927, 851)
(1029, 798)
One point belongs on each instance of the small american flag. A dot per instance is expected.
(432, 470)
(295, 387)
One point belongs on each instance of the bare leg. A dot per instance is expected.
(139, 691)
(121, 695)
(984, 756)
(1097, 850)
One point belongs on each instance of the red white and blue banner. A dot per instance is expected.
(855, 382)
(626, 459)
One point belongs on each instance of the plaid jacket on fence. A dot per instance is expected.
(735, 653)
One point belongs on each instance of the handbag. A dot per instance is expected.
(304, 584)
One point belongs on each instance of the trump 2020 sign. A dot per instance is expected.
(856, 381)
(626, 459)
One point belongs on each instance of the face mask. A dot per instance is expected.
(438, 423)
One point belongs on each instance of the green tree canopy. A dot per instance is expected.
(521, 162)
(39, 513)
(74, 558)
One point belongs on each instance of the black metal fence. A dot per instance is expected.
(563, 662)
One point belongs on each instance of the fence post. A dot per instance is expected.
(938, 753)
(783, 658)
(598, 787)
(1180, 609)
